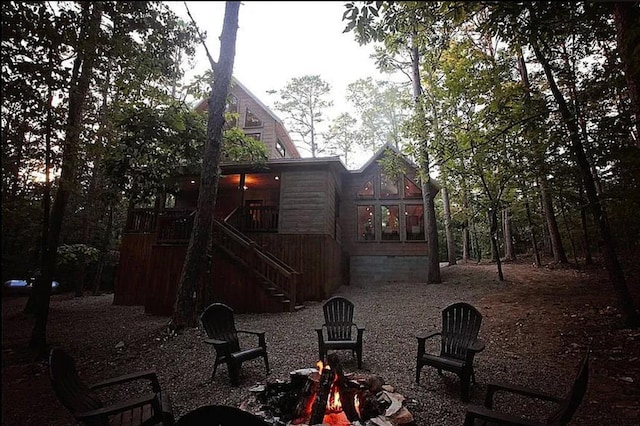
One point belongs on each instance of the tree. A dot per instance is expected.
(304, 100)
(342, 137)
(191, 292)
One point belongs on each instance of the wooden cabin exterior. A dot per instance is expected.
(290, 231)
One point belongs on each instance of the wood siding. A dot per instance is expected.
(131, 281)
(307, 202)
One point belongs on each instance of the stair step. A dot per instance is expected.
(298, 307)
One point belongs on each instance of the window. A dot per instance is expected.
(381, 219)
(251, 120)
(366, 191)
(366, 223)
(280, 148)
(256, 136)
(232, 107)
(388, 187)
(411, 190)
(414, 218)
(390, 223)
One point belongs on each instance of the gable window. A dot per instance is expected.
(280, 148)
(387, 211)
(366, 191)
(251, 120)
(388, 186)
(232, 107)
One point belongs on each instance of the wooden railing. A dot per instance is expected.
(174, 226)
(280, 278)
(141, 221)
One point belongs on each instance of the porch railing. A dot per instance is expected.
(141, 221)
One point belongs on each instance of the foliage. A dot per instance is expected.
(303, 99)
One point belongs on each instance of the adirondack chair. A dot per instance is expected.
(567, 404)
(337, 332)
(220, 415)
(83, 401)
(219, 323)
(459, 344)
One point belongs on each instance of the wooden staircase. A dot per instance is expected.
(278, 279)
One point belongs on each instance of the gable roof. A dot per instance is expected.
(202, 106)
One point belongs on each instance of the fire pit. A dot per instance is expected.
(327, 396)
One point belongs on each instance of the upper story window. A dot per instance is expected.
(256, 136)
(366, 191)
(280, 148)
(411, 190)
(388, 187)
(251, 120)
(232, 107)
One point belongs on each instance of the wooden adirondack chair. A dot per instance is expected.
(83, 401)
(337, 332)
(458, 345)
(219, 324)
(567, 404)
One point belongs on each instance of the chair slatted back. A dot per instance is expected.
(219, 323)
(460, 328)
(574, 397)
(338, 317)
(72, 392)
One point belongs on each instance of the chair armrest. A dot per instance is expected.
(217, 343)
(476, 412)
(425, 336)
(492, 388)
(146, 374)
(120, 407)
(261, 340)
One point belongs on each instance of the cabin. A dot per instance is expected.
(286, 232)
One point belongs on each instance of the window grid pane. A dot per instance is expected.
(366, 223)
(414, 215)
(390, 223)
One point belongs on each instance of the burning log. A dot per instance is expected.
(322, 395)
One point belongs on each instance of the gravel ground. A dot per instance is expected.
(537, 325)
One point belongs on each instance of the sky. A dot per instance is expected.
(278, 41)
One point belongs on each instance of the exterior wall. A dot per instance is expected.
(307, 202)
(367, 270)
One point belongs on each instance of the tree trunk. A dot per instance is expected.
(429, 190)
(493, 221)
(559, 255)
(451, 244)
(509, 253)
(532, 232)
(191, 283)
(626, 16)
(79, 87)
(616, 275)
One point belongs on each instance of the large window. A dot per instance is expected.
(232, 107)
(388, 210)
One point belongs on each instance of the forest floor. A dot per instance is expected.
(537, 324)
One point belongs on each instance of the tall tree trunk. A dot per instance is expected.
(493, 222)
(626, 15)
(79, 87)
(466, 238)
(509, 252)
(191, 283)
(451, 243)
(429, 190)
(630, 312)
(586, 244)
(559, 255)
(532, 233)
